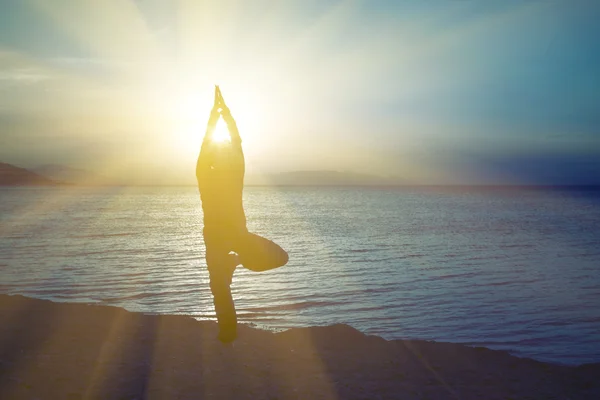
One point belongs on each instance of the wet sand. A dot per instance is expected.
(70, 351)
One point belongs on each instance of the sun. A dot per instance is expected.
(221, 133)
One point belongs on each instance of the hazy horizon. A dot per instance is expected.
(432, 93)
(63, 174)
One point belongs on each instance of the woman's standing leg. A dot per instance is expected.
(220, 270)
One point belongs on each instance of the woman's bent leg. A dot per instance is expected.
(259, 254)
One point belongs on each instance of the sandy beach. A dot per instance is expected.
(70, 351)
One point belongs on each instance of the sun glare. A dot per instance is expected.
(221, 134)
(189, 110)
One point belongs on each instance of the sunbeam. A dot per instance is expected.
(341, 172)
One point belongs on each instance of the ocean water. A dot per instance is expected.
(517, 270)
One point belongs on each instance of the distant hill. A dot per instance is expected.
(11, 175)
(62, 173)
(320, 178)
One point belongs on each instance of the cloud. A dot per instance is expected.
(16, 68)
(22, 76)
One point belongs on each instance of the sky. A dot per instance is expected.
(432, 92)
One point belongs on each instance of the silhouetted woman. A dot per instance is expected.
(220, 172)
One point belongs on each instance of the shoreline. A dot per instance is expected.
(73, 350)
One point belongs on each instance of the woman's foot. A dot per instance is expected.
(227, 336)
